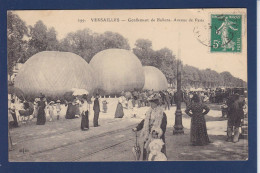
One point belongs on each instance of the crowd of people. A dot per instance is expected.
(153, 126)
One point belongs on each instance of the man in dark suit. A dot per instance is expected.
(96, 109)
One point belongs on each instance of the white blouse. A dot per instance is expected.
(85, 106)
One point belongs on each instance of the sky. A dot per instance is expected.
(182, 31)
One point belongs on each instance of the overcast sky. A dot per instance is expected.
(174, 35)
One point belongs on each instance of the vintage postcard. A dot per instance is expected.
(127, 85)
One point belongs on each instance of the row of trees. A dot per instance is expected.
(25, 41)
(193, 77)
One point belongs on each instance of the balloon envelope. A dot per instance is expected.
(54, 73)
(154, 79)
(117, 70)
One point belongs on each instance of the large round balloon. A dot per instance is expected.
(117, 70)
(154, 79)
(54, 73)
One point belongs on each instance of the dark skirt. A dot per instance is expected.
(234, 121)
(77, 111)
(71, 111)
(198, 131)
(14, 123)
(41, 118)
(24, 113)
(84, 121)
(119, 111)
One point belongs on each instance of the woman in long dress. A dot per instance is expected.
(84, 109)
(41, 117)
(198, 130)
(72, 110)
(119, 109)
(12, 111)
(155, 118)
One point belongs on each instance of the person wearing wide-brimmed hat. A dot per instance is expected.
(41, 117)
(154, 118)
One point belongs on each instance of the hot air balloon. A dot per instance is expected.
(117, 70)
(154, 79)
(53, 74)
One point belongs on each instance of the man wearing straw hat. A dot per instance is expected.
(154, 118)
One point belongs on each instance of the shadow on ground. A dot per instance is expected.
(210, 118)
(179, 148)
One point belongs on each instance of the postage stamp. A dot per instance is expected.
(225, 33)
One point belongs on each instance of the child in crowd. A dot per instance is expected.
(58, 109)
(131, 108)
(155, 147)
(104, 106)
(51, 110)
(224, 109)
(35, 107)
(77, 103)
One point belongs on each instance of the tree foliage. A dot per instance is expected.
(86, 43)
(16, 41)
(143, 50)
(42, 39)
(167, 64)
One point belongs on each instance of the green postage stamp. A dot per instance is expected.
(225, 33)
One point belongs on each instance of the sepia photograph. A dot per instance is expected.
(127, 85)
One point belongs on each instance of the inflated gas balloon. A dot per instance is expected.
(54, 73)
(154, 79)
(117, 70)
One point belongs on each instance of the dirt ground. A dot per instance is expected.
(63, 141)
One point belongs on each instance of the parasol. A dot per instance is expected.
(136, 149)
